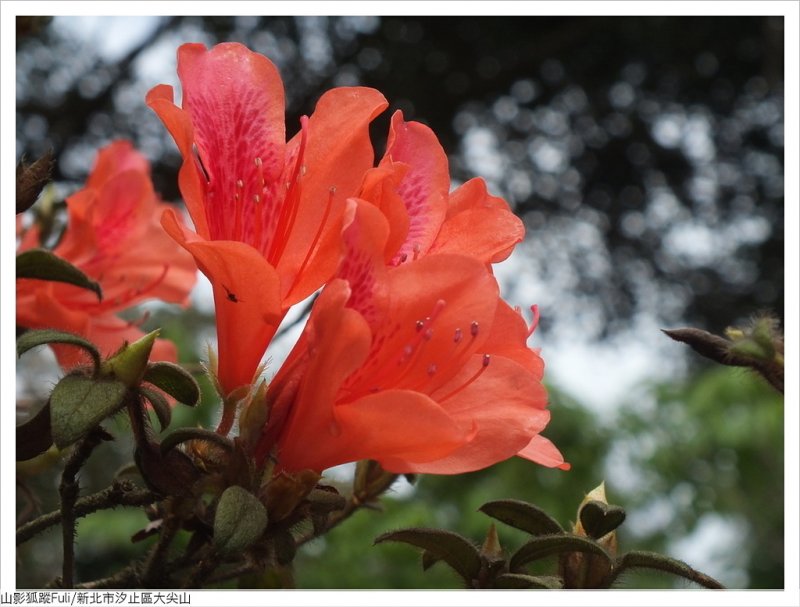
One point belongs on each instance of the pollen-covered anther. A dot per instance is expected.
(487, 358)
(457, 335)
(473, 328)
(420, 324)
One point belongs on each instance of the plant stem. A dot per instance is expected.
(120, 493)
(68, 489)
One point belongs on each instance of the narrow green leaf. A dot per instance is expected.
(160, 406)
(239, 521)
(651, 560)
(34, 436)
(175, 381)
(452, 548)
(46, 265)
(79, 403)
(521, 580)
(181, 435)
(599, 518)
(40, 337)
(548, 545)
(522, 515)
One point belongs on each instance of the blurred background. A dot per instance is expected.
(645, 156)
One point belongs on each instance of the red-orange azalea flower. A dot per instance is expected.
(114, 237)
(411, 186)
(421, 367)
(268, 213)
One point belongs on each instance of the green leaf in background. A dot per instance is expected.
(40, 337)
(452, 548)
(548, 545)
(45, 265)
(522, 515)
(34, 436)
(78, 403)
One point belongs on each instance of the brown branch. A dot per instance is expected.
(121, 493)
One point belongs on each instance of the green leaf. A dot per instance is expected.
(34, 436)
(598, 518)
(181, 435)
(239, 521)
(40, 337)
(452, 548)
(522, 515)
(175, 381)
(548, 545)
(160, 406)
(651, 560)
(521, 580)
(45, 265)
(79, 403)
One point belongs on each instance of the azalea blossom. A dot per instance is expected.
(268, 213)
(411, 187)
(114, 237)
(421, 367)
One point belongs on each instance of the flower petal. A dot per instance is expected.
(424, 188)
(337, 154)
(246, 297)
(544, 452)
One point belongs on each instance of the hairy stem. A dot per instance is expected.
(68, 489)
(120, 493)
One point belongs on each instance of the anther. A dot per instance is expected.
(457, 336)
(473, 328)
(239, 183)
(256, 198)
(486, 360)
(432, 368)
(257, 161)
(420, 324)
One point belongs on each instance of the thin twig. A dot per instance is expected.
(68, 490)
(154, 570)
(121, 493)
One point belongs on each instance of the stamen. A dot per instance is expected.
(535, 321)
(473, 328)
(420, 325)
(484, 365)
(239, 183)
(432, 368)
(457, 336)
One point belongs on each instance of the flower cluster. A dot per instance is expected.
(409, 357)
(113, 236)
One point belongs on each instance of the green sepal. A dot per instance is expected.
(40, 337)
(45, 265)
(173, 380)
(34, 436)
(181, 435)
(129, 364)
(650, 560)
(521, 581)
(239, 521)
(548, 545)
(452, 548)
(160, 406)
(522, 515)
(79, 403)
(599, 519)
